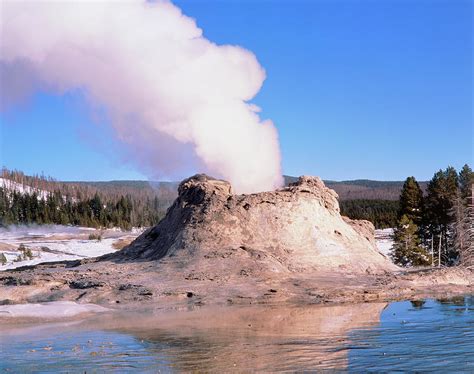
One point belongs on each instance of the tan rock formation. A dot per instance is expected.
(293, 230)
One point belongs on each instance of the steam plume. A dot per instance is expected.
(169, 92)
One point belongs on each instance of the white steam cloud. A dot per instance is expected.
(170, 93)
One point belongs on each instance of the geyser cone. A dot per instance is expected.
(293, 230)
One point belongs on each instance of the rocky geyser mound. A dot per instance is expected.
(293, 230)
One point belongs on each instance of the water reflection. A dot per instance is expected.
(208, 339)
(416, 335)
(418, 304)
(423, 336)
(255, 338)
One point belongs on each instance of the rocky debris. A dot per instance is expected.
(296, 229)
(16, 281)
(85, 283)
(142, 284)
(139, 289)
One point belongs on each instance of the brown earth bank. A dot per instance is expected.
(140, 284)
(217, 248)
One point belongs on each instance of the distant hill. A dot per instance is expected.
(376, 201)
(365, 189)
(369, 189)
(166, 191)
(359, 189)
(118, 184)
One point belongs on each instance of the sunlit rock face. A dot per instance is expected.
(296, 229)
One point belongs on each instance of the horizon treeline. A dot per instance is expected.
(42, 200)
(436, 228)
(75, 202)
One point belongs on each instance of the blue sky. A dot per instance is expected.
(357, 89)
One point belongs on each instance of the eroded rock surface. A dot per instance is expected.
(292, 230)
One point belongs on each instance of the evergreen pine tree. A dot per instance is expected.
(407, 250)
(411, 201)
(464, 218)
(462, 241)
(439, 217)
(466, 180)
(4, 207)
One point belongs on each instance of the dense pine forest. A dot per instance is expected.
(437, 227)
(42, 200)
(382, 213)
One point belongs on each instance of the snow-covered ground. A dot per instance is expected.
(384, 240)
(49, 243)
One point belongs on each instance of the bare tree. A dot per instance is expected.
(464, 230)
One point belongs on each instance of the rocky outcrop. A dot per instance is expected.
(293, 230)
(364, 228)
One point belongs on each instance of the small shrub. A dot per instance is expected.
(28, 254)
(95, 236)
(25, 253)
(3, 259)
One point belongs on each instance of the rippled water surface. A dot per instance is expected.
(421, 335)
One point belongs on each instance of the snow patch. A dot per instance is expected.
(384, 241)
(50, 243)
(59, 250)
(55, 309)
